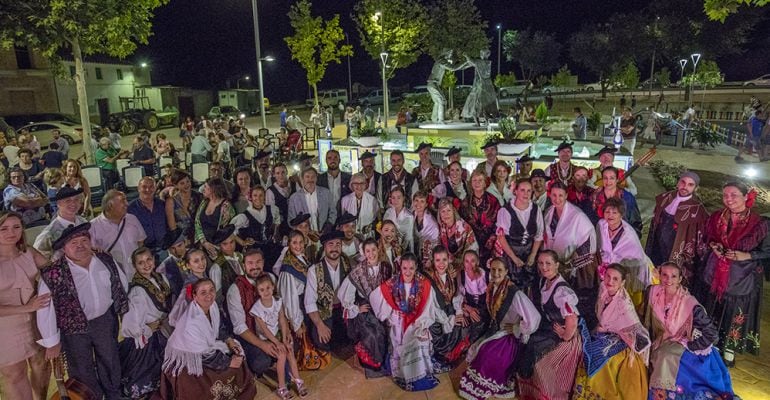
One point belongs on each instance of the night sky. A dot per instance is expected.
(203, 43)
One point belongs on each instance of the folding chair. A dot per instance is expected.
(200, 172)
(131, 177)
(122, 163)
(93, 175)
(249, 152)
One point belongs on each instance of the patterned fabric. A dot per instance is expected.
(557, 176)
(411, 304)
(326, 292)
(745, 235)
(430, 180)
(481, 215)
(160, 294)
(248, 292)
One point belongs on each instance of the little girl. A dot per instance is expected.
(269, 317)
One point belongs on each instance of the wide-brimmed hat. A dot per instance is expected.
(538, 173)
(67, 192)
(222, 234)
(70, 233)
(345, 218)
(332, 235)
(564, 145)
(454, 150)
(300, 218)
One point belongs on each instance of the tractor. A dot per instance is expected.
(138, 114)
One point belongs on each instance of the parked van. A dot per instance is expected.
(328, 98)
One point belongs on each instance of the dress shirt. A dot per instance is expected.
(153, 222)
(311, 287)
(94, 296)
(103, 234)
(335, 187)
(311, 199)
(240, 221)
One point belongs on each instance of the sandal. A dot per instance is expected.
(283, 393)
(301, 389)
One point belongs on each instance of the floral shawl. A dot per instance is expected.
(409, 305)
(481, 214)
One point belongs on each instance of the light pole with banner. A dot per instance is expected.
(499, 46)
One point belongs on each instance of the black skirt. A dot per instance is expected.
(141, 368)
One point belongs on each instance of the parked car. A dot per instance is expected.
(416, 91)
(328, 98)
(763, 80)
(43, 131)
(516, 89)
(17, 121)
(225, 112)
(597, 87)
(655, 84)
(373, 97)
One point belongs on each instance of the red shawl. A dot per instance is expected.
(745, 236)
(413, 311)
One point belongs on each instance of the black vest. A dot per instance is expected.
(259, 232)
(517, 234)
(281, 202)
(549, 311)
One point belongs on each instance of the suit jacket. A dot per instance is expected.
(327, 212)
(323, 180)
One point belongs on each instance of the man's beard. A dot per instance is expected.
(333, 255)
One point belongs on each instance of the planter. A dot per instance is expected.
(514, 147)
(367, 141)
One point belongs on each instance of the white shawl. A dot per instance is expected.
(628, 252)
(194, 337)
(366, 215)
(573, 229)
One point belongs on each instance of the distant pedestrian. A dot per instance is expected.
(622, 102)
(754, 127)
(283, 117)
(633, 101)
(549, 101)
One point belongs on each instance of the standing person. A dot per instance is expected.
(364, 329)
(279, 192)
(151, 213)
(143, 156)
(105, 158)
(88, 295)
(426, 174)
(293, 122)
(678, 227)
(425, 228)
(579, 125)
(606, 158)
(362, 205)
(401, 217)
(479, 210)
(546, 369)
(610, 190)
(64, 145)
(117, 232)
(683, 361)
(628, 129)
(182, 205)
(524, 167)
(500, 182)
(490, 153)
(200, 147)
(351, 242)
(283, 114)
(407, 303)
(314, 200)
(617, 243)
(492, 360)
(258, 225)
(732, 278)
(581, 194)
(201, 362)
(68, 202)
(396, 176)
(144, 327)
(338, 182)
(23, 367)
(322, 306)
(563, 169)
(453, 155)
(240, 196)
(73, 177)
(214, 213)
(520, 234)
(538, 178)
(262, 174)
(455, 187)
(374, 181)
(754, 126)
(173, 266)
(633, 101)
(614, 364)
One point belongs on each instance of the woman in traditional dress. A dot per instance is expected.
(197, 268)
(241, 196)
(182, 204)
(615, 356)
(684, 362)
(473, 288)
(547, 367)
(390, 245)
(408, 304)
(145, 327)
(492, 360)
(611, 190)
(362, 204)
(23, 369)
(401, 216)
(479, 210)
(425, 227)
(618, 243)
(520, 235)
(364, 329)
(499, 185)
(201, 362)
(732, 278)
(448, 348)
(213, 214)
(453, 188)
(454, 233)
(570, 233)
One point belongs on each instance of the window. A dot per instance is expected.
(120, 74)
(23, 61)
(98, 73)
(72, 71)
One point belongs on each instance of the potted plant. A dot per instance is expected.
(369, 136)
(509, 136)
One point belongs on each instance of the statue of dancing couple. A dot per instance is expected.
(482, 100)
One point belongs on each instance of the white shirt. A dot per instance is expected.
(141, 311)
(104, 232)
(271, 316)
(270, 197)
(335, 187)
(94, 295)
(405, 223)
(311, 287)
(504, 219)
(235, 307)
(240, 221)
(311, 199)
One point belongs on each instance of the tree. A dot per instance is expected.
(455, 25)
(718, 10)
(535, 52)
(627, 76)
(707, 75)
(315, 43)
(598, 49)
(81, 28)
(449, 82)
(394, 26)
(562, 78)
(504, 80)
(663, 77)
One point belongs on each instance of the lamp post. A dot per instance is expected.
(238, 82)
(499, 46)
(261, 99)
(695, 57)
(350, 80)
(384, 58)
(682, 63)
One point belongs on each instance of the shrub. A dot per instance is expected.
(541, 113)
(667, 173)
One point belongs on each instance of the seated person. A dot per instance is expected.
(24, 198)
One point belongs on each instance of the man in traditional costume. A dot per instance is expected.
(351, 242)
(490, 152)
(396, 177)
(426, 175)
(374, 182)
(678, 227)
(563, 169)
(606, 158)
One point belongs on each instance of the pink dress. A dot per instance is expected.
(17, 332)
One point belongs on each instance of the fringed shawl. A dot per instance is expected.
(195, 336)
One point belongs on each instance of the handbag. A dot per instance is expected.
(309, 358)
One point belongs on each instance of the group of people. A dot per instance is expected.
(537, 278)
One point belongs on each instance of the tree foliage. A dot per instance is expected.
(81, 27)
(663, 76)
(708, 74)
(399, 30)
(597, 49)
(719, 10)
(315, 43)
(536, 52)
(455, 25)
(504, 80)
(562, 78)
(627, 77)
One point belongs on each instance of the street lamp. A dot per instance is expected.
(238, 82)
(695, 57)
(378, 16)
(143, 65)
(261, 100)
(499, 45)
